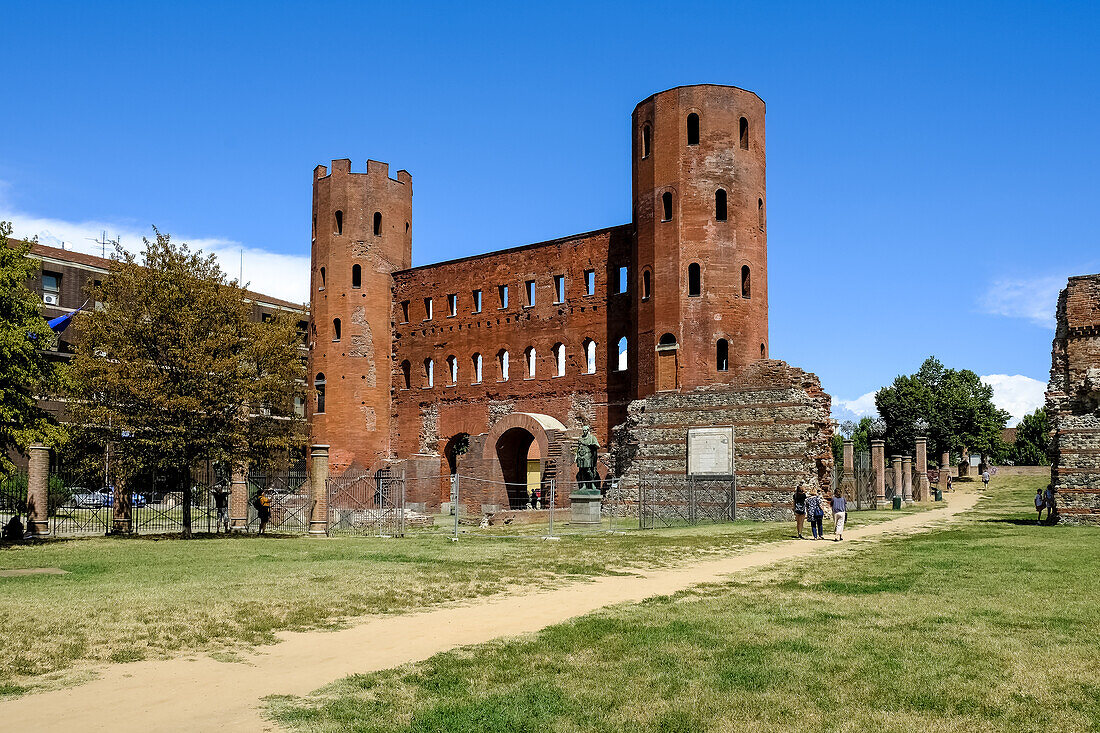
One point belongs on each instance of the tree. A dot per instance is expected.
(172, 371)
(24, 336)
(1032, 440)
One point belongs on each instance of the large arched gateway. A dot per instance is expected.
(523, 449)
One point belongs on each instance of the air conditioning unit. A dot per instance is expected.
(50, 298)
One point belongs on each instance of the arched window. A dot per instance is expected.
(693, 129)
(322, 279)
(666, 201)
(622, 354)
(720, 204)
(667, 340)
(760, 213)
(744, 134)
(429, 373)
(319, 388)
(406, 374)
(502, 362)
(746, 282)
(695, 280)
(356, 276)
(335, 329)
(529, 357)
(377, 223)
(589, 356)
(723, 356)
(763, 352)
(559, 360)
(452, 368)
(645, 141)
(645, 285)
(477, 368)
(339, 222)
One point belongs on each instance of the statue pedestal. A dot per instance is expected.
(584, 509)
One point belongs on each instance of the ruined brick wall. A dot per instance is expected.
(1073, 401)
(781, 419)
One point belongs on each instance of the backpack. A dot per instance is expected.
(1040, 502)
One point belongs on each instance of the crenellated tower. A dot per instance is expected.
(700, 250)
(362, 232)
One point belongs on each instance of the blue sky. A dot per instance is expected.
(932, 167)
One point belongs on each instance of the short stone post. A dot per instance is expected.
(921, 490)
(896, 461)
(907, 479)
(238, 499)
(38, 490)
(878, 465)
(848, 479)
(318, 490)
(945, 470)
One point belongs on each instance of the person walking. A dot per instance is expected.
(263, 509)
(840, 513)
(1040, 504)
(221, 505)
(985, 479)
(816, 513)
(1051, 504)
(800, 510)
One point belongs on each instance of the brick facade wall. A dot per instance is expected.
(1073, 402)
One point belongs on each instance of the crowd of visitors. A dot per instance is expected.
(814, 505)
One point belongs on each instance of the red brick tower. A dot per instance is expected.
(362, 232)
(700, 249)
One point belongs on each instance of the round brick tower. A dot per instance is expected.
(362, 226)
(700, 248)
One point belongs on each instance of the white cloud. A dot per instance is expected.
(862, 406)
(1016, 393)
(271, 273)
(1034, 300)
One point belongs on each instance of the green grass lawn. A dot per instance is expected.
(129, 599)
(989, 624)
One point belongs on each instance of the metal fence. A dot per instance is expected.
(367, 504)
(689, 501)
(290, 501)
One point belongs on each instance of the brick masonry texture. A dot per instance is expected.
(1073, 402)
(693, 307)
(782, 433)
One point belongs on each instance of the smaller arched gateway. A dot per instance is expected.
(523, 450)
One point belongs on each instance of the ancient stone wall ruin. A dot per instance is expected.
(1073, 402)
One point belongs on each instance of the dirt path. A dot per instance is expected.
(204, 694)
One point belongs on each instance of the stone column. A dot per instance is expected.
(318, 489)
(878, 466)
(922, 489)
(121, 520)
(964, 464)
(907, 479)
(848, 479)
(38, 490)
(945, 469)
(896, 483)
(238, 499)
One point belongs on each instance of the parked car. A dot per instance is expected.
(135, 499)
(85, 499)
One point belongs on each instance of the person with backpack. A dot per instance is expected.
(800, 510)
(1040, 504)
(840, 513)
(816, 513)
(263, 509)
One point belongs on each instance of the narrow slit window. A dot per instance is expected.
(723, 355)
(452, 305)
(645, 285)
(356, 276)
(720, 204)
(529, 355)
(646, 133)
(429, 373)
(695, 280)
(746, 282)
(559, 360)
(404, 311)
(760, 213)
(377, 223)
(530, 290)
(452, 368)
(339, 222)
(406, 374)
(477, 301)
(322, 279)
(559, 288)
(693, 129)
(744, 134)
(477, 368)
(589, 356)
(319, 389)
(763, 352)
(589, 282)
(502, 362)
(335, 329)
(622, 354)
(666, 204)
(427, 309)
(502, 291)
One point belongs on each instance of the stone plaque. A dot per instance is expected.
(710, 451)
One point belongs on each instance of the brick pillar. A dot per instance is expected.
(896, 483)
(920, 466)
(878, 465)
(907, 479)
(945, 469)
(121, 520)
(964, 464)
(848, 480)
(38, 490)
(318, 490)
(238, 499)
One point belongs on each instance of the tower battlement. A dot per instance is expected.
(375, 169)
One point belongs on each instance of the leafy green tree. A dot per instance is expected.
(26, 371)
(1032, 440)
(171, 370)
